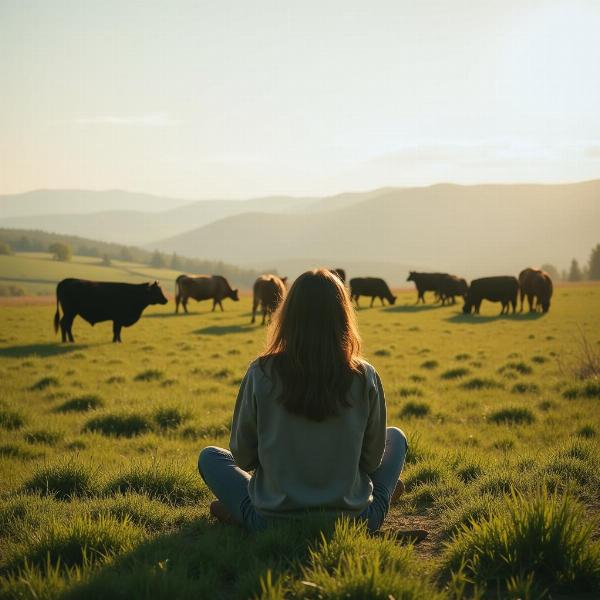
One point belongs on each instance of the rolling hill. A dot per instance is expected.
(471, 230)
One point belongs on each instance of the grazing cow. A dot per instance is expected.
(96, 301)
(203, 287)
(268, 291)
(340, 273)
(496, 289)
(426, 282)
(370, 286)
(451, 286)
(537, 286)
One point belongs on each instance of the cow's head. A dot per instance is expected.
(545, 302)
(392, 299)
(463, 288)
(233, 294)
(156, 294)
(468, 305)
(411, 276)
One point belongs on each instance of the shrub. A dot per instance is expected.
(429, 364)
(119, 425)
(162, 482)
(587, 431)
(455, 373)
(525, 388)
(65, 480)
(415, 409)
(546, 537)
(81, 404)
(17, 451)
(480, 383)
(79, 541)
(513, 414)
(45, 382)
(539, 359)
(149, 375)
(11, 419)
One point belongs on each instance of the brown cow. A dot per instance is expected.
(203, 287)
(268, 291)
(537, 286)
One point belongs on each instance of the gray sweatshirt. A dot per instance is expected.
(301, 464)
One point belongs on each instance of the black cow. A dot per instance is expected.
(96, 301)
(503, 289)
(451, 286)
(426, 282)
(370, 286)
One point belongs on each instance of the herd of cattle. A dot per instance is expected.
(123, 303)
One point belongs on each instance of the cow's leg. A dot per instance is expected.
(66, 323)
(63, 330)
(514, 304)
(177, 300)
(382, 302)
(214, 304)
(372, 300)
(116, 332)
(522, 294)
(254, 307)
(356, 300)
(221, 305)
(184, 302)
(477, 307)
(264, 313)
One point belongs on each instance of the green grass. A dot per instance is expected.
(99, 468)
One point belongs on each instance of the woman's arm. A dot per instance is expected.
(374, 438)
(243, 442)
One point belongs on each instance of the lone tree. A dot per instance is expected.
(5, 249)
(574, 271)
(61, 251)
(594, 266)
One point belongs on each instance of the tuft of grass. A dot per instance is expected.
(210, 430)
(48, 437)
(79, 541)
(149, 375)
(480, 383)
(415, 409)
(525, 388)
(11, 419)
(81, 404)
(119, 425)
(539, 359)
(462, 356)
(405, 392)
(589, 389)
(44, 383)
(455, 373)
(520, 367)
(417, 378)
(587, 431)
(164, 482)
(512, 415)
(430, 364)
(65, 479)
(424, 472)
(170, 417)
(116, 379)
(17, 451)
(544, 537)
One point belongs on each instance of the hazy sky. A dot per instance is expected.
(235, 99)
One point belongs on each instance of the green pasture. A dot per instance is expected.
(100, 497)
(38, 273)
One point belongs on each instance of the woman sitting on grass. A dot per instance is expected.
(309, 421)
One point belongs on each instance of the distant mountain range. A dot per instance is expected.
(469, 230)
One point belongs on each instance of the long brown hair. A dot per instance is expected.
(315, 346)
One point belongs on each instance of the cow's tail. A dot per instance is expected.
(57, 314)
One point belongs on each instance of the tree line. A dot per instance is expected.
(64, 247)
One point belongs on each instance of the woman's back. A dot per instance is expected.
(302, 464)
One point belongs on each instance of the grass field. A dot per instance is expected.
(100, 497)
(37, 273)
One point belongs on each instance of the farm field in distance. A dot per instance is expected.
(99, 443)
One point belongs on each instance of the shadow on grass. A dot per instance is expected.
(185, 564)
(43, 350)
(481, 320)
(413, 308)
(225, 329)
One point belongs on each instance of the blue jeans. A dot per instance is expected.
(229, 483)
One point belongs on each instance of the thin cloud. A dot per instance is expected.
(145, 120)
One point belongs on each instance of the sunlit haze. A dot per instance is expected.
(238, 99)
